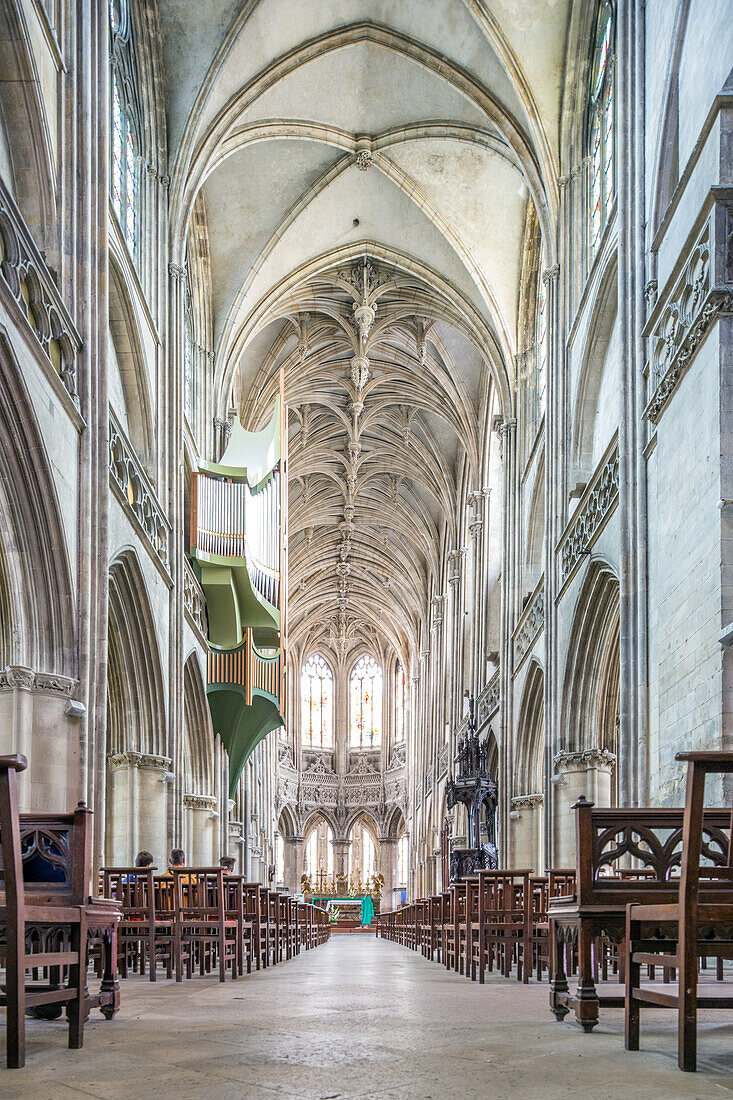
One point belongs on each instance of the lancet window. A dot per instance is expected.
(366, 704)
(601, 128)
(124, 126)
(317, 703)
(400, 725)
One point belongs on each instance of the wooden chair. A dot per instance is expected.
(253, 915)
(145, 937)
(206, 935)
(607, 839)
(700, 922)
(48, 916)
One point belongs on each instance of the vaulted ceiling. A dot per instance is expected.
(365, 167)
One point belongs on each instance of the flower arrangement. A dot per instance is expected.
(333, 915)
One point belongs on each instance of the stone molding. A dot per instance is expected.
(42, 683)
(200, 802)
(597, 503)
(527, 801)
(530, 625)
(683, 314)
(585, 760)
(136, 494)
(25, 274)
(194, 601)
(132, 759)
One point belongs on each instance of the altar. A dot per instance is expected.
(352, 910)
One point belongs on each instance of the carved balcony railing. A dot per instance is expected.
(489, 699)
(134, 491)
(597, 503)
(194, 601)
(531, 624)
(689, 306)
(24, 273)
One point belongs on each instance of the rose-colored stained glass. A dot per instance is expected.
(316, 683)
(366, 704)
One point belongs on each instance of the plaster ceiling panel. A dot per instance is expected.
(387, 215)
(536, 32)
(364, 89)
(191, 36)
(192, 33)
(462, 357)
(483, 198)
(246, 198)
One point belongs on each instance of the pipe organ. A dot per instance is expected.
(238, 546)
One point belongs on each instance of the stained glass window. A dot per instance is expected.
(317, 703)
(402, 860)
(541, 382)
(124, 169)
(400, 723)
(366, 704)
(189, 372)
(601, 129)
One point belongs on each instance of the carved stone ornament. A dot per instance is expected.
(136, 494)
(363, 160)
(25, 275)
(585, 760)
(44, 683)
(683, 316)
(531, 624)
(132, 759)
(527, 801)
(200, 801)
(599, 500)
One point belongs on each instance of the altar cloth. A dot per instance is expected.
(367, 905)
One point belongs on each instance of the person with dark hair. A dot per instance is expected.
(227, 863)
(176, 860)
(143, 859)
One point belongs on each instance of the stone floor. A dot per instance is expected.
(360, 1018)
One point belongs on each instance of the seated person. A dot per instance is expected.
(227, 864)
(176, 860)
(143, 859)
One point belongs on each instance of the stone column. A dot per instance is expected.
(525, 841)
(587, 774)
(201, 816)
(173, 415)
(235, 836)
(455, 576)
(508, 620)
(293, 860)
(341, 859)
(137, 808)
(633, 617)
(388, 868)
(476, 527)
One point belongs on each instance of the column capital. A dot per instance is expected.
(176, 271)
(550, 274)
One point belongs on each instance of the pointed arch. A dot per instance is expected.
(128, 350)
(198, 734)
(39, 593)
(23, 113)
(135, 696)
(590, 694)
(530, 774)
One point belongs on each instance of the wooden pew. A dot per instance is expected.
(145, 937)
(699, 922)
(607, 839)
(206, 935)
(48, 916)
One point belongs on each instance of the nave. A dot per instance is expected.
(359, 1018)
